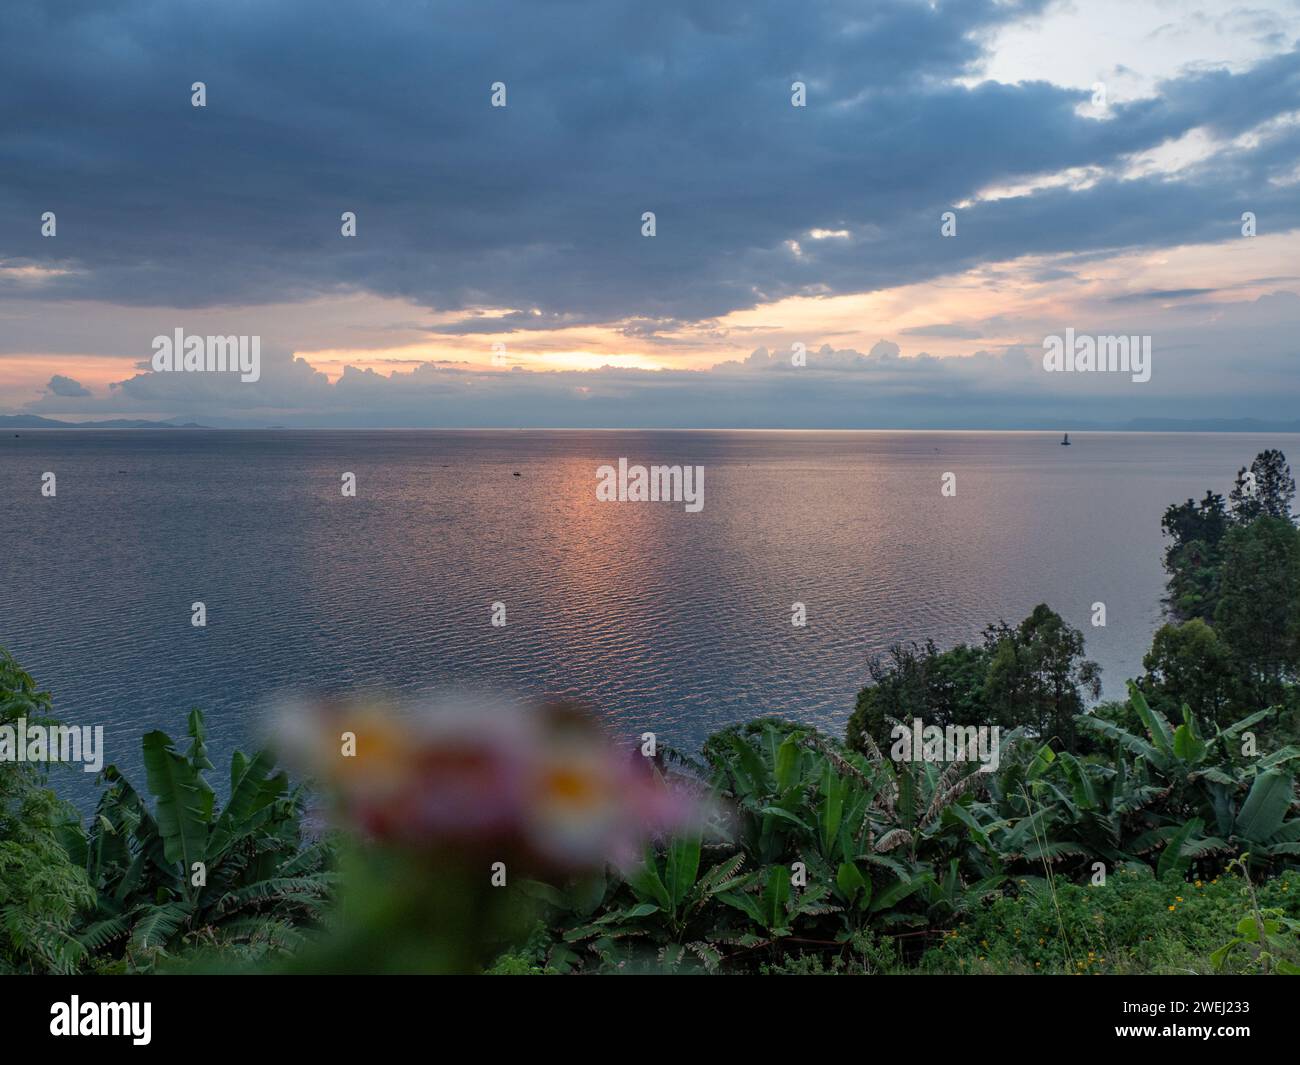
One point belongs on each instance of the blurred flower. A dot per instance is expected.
(544, 788)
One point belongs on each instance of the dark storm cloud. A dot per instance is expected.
(615, 108)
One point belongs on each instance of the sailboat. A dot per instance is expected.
(1066, 441)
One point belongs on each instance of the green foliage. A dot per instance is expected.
(1267, 490)
(1134, 923)
(920, 681)
(1201, 540)
(41, 890)
(1192, 559)
(669, 897)
(1262, 933)
(818, 844)
(863, 955)
(1032, 675)
(1176, 777)
(187, 874)
(823, 845)
(1189, 663)
(1271, 939)
(1038, 677)
(1258, 614)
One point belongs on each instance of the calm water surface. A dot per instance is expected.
(659, 619)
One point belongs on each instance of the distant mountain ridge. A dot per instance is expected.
(1211, 425)
(35, 421)
(1133, 425)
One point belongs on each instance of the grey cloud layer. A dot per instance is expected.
(615, 108)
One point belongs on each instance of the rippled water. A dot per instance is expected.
(658, 618)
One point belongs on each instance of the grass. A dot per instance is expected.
(1133, 924)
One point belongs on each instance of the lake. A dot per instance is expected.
(658, 618)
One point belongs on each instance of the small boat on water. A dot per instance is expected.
(1066, 441)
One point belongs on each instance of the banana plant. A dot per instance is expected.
(1177, 775)
(949, 897)
(187, 870)
(850, 814)
(1264, 825)
(669, 904)
(771, 902)
(767, 774)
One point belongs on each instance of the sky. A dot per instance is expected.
(1096, 159)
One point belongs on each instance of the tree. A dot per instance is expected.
(1038, 676)
(920, 681)
(1188, 663)
(1033, 675)
(1192, 559)
(1258, 616)
(1265, 490)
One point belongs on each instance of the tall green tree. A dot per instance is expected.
(1258, 616)
(1190, 664)
(1191, 559)
(1267, 489)
(1038, 676)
